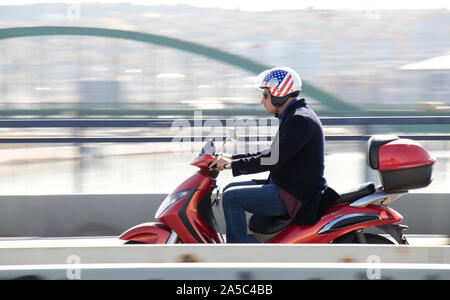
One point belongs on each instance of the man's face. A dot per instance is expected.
(267, 102)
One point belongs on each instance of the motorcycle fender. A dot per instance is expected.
(148, 233)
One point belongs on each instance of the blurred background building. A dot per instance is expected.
(360, 56)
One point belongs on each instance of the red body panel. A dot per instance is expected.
(183, 216)
(309, 234)
(403, 153)
(203, 161)
(149, 233)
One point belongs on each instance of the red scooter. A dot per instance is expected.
(186, 215)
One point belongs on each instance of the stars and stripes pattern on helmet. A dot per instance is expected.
(279, 82)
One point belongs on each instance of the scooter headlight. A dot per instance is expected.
(170, 199)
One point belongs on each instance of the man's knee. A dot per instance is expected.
(229, 196)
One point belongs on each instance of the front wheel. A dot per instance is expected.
(367, 238)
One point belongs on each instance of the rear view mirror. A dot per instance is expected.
(209, 148)
(232, 133)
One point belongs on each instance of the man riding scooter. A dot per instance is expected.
(296, 186)
(294, 205)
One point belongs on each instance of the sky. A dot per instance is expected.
(268, 5)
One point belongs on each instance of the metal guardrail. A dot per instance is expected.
(117, 123)
(114, 112)
(81, 140)
(157, 123)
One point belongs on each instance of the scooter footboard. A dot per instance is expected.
(148, 233)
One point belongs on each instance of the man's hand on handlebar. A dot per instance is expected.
(222, 162)
(225, 155)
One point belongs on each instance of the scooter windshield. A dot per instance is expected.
(208, 148)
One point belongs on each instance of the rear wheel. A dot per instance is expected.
(368, 238)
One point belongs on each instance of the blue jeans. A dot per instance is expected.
(239, 197)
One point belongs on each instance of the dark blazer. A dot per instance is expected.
(296, 164)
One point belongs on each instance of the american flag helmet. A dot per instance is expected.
(280, 81)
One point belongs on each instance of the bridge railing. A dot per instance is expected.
(80, 137)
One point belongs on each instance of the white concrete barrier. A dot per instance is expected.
(54, 253)
(109, 259)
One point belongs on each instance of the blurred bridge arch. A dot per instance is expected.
(331, 101)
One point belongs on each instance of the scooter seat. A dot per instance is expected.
(268, 225)
(364, 190)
